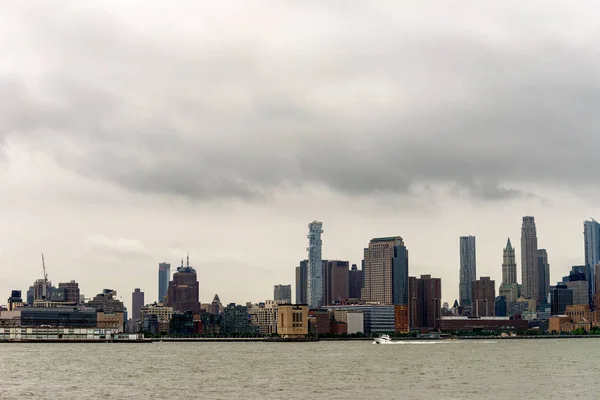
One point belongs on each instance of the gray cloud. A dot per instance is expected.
(359, 103)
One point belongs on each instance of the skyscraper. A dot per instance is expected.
(301, 282)
(137, 302)
(355, 281)
(509, 265)
(529, 261)
(184, 290)
(543, 275)
(282, 293)
(385, 271)
(164, 276)
(591, 237)
(484, 297)
(424, 298)
(335, 281)
(315, 265)
(468, 270)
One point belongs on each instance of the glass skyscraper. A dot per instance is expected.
(591, 236)
(164, 275)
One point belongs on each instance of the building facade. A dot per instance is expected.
(314, 287)
(484, 297)
(156, 312)
(184, 290)
(302, 282)
(509, 265)
(292, 320)
(529, 261)
(543, 275)
(336, 281)
(164, 276)
(385, 271)
(355, 282)
(560, 297)
(137, 302)
(468, 270)
(425, 302)
(70, 291)
(591, 237)
(282, 293)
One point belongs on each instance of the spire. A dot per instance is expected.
(188, 260)
(508, 245)
(182, 263)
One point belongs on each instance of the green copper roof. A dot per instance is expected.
(508, 246)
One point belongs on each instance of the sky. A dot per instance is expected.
(134, 132)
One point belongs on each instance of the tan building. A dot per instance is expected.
(378, 279)
(110, 321)
(162, 312)
(292, 320)
(579, 313)
(265, 316)
(559, 323)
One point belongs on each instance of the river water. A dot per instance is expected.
(537, 369)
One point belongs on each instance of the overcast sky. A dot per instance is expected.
(132, 132)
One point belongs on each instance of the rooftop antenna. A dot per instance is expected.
(188, 259)
(44, 288)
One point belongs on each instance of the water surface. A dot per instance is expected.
(548, 369)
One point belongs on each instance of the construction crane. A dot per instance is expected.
(45, 278)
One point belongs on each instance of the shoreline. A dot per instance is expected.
(287, 340)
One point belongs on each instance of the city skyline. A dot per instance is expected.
(127, 139)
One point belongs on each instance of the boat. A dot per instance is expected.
(383, 339)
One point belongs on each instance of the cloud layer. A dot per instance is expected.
(243, 100)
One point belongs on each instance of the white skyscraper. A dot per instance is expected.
(468, 270)
(314, 287)
(529, 259)
(591, 236)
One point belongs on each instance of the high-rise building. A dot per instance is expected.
(137, 302)
(468, 270)
(282, 293)
(335, 281)
(509, 264)
(543, 275)
(385, 271)
(301, 282)
(164, 276)
(314, 287)
(579, 284)
(70, 291)
(560, 297)
(184, 289)
(355, 282)
(529, 261)
(484, 297)
(107, 302)
(591, 237)
(424, 298)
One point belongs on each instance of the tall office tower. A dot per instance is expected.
(184, 290)
(336, 281)
(424, 301)
(314, 287)
(484, 297)
(385, 271)
(468, 270)
(70, 291)
(560, 297)
(137, 302)
(301, 282)
(529, 262)
(509, 265)
(591, 237)
(355, 282)
(164, 276)
(543, 275)
(282, 293)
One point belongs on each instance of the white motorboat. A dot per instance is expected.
(383, 339)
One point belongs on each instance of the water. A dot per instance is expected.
(545, 369)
